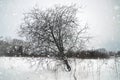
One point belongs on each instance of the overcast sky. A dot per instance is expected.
(103, 17)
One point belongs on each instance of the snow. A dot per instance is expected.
(49, 69)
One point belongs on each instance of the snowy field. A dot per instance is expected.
(49, 69)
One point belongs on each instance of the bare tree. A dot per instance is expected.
(54, 31)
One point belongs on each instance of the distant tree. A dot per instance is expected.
(19, 47)
(3, 47)
(118, 53)
(54, 31)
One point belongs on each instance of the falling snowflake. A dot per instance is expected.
(116, 7)
(114, 17)
(14, 14)
(118, 15)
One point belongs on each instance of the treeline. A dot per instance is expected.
(20, 48)
(88, 54)
(12, 47)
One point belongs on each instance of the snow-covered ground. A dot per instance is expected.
(49, 69)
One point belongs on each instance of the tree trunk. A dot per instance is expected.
(67, 65)
(64, 59)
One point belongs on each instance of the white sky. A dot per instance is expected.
(103, 17)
